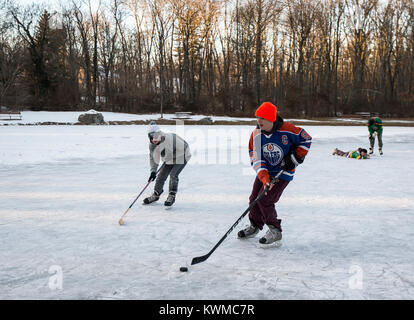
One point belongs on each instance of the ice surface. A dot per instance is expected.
(348, 225)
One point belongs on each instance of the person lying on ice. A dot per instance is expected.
(175, 152)
(360, 153)
(274, 145)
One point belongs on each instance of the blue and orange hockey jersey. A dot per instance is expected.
(267, 150)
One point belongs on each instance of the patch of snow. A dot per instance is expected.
(347, 224)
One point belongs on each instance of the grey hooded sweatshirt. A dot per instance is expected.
(172, 150)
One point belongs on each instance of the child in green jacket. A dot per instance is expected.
(375, 129)
(358, 154)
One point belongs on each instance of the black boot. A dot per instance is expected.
(155, 196)
(170, 200)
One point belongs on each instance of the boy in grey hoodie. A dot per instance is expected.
(175, 153)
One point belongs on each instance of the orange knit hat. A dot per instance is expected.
(267, 111)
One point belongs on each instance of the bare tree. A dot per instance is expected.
(162, 19)
(84, 29)
(94, 18)
(301, 15)
(11, 60)
(188, 26)
(73, 54)
(107, 37)
(264, 11)
(359, 36)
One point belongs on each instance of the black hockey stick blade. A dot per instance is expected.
(199, 259)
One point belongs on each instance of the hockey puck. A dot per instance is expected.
(183, 269)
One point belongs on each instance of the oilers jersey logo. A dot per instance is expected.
(272, 153)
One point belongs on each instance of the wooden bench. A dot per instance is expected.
(182, 115)
(363, 114)
(10, 116)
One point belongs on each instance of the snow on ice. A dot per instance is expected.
(348, 224)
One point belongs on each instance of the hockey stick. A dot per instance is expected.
(121, 221)
(205, 257)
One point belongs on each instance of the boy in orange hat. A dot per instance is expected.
(274, 145)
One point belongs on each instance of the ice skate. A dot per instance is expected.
(371, 151)
(170, 200)
(272, 235)
(248, 232)
(380, 151)
(154, 197)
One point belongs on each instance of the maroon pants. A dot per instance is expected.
(264, 211)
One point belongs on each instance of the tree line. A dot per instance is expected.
(311, 58)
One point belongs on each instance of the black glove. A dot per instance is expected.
(152, 176)
(290, 162)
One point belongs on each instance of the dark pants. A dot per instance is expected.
(372, 140)
(172, 170)
(341, 153)
(264, 211)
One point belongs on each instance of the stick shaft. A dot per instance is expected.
(205, 257)
(148, 183)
